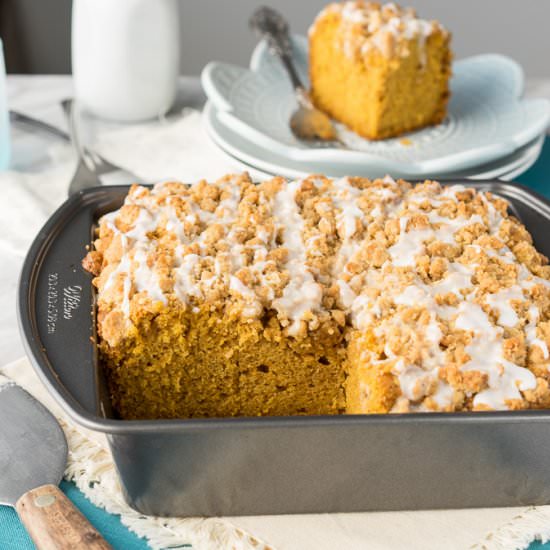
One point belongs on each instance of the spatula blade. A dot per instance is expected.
(33, 448)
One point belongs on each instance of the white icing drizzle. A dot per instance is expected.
(253, 308)
(349, 217)
(377, 23)
(351, 12)
(146, 222)
(472, 317)
(185, 284)
(531, 331)
(145, 279)
(345, 199)
(505, 378)
(443, 395)
(500, 300)
(174, 224)
(458, 279)
(409, 244)
(347, 296)
(415, 382)
(302, 294)
(363, 311)
(347, 220)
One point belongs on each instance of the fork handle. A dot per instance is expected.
(271, 25)
(69, 109)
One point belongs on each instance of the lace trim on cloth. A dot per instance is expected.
(92, 470)
(519, 532)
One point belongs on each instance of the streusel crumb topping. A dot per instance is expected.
(444, 277)
(386, 28)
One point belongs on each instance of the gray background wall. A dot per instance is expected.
(37, 32)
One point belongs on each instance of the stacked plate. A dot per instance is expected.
(490, 131)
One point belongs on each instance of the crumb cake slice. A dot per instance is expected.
(380, 70)
(319, 296)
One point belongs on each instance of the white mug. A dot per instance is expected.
(4, 120)
(125, 57)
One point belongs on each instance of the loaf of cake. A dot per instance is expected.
(318, 296)
(379, 69)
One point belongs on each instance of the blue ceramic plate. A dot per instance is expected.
(487, 118)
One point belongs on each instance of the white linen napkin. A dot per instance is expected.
(165, 150)
(182, 150)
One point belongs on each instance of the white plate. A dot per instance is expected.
(487, 120)
(258, 175)
(513, 165)
(266, 163)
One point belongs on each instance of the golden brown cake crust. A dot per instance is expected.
(230, 298)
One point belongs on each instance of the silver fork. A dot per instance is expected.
(90, 165)
(85, 174)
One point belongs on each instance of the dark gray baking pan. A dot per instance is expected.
(273, 465)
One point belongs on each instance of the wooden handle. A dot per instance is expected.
(54, 523)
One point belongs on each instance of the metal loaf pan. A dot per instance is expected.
(273, 465)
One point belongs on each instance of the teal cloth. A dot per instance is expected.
(538, 176)
(14, 537)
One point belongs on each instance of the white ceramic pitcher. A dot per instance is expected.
(125, 57)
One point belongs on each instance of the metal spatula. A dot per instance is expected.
(33, 455)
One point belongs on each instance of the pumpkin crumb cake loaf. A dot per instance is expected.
(319, 296)
(379, 69)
